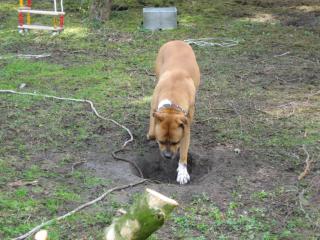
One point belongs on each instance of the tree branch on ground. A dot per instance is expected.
(37, 228)
(308, 165)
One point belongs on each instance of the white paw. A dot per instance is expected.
(183, 175)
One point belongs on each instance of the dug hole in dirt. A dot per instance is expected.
(214, 172)
(154, 167)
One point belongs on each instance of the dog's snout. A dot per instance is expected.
(167, 154)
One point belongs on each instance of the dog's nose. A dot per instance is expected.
(167, 154)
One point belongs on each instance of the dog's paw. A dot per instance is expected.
(183, 175)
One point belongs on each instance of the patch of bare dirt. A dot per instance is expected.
(273, 3)
(309, 20)
(216, 172)
(294, 13)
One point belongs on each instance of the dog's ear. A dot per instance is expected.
(183, 121)
(158, 116)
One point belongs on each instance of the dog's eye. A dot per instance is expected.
(174, 143)
(162, 142)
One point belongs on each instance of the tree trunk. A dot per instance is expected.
(100, 10)
(147, 215)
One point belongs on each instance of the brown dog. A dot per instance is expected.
(172, 105)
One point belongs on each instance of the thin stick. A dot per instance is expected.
(214, 109)
(28, 56)
(283, 54)
(308, 163)
(37, 228)
(114, 155)
(77, 164)
(312, 94)
(75, 100)
(206, 42)
(301, 198)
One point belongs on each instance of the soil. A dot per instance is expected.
(216, 171)
(291, 12)
(272, 3)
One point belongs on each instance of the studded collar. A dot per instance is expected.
(168, 104)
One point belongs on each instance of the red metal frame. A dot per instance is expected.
(61, 21)
(28, 11)
(20, 18)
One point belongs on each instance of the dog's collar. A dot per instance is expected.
(168, 104)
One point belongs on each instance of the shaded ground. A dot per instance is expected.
(261, 96)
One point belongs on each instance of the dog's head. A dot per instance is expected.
(169, 131)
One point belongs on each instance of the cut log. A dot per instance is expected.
(147, 215)
(41, 235)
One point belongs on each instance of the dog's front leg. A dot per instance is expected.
(183, 175)
(152, 121)
(151, 134)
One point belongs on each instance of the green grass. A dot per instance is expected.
(202, 219)
(213, 222)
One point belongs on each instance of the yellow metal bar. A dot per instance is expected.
(54, 22)
(28, 19)
(21, 3)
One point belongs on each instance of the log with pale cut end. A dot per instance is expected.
(147, 215)
(41, 235)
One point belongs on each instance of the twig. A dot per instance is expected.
(301, 199)
(146, 71)
(214, 109)
(114, 155)
(77, 164)
(308, 163)
(312, 94)
(283, 54)
(213, 41)
(75, 100)
(28, 56)
(37, 228)
(149, 73)
(21, 183)
(204, 120)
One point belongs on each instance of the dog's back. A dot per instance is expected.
(178, 55)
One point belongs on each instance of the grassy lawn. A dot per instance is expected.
(261, 96)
